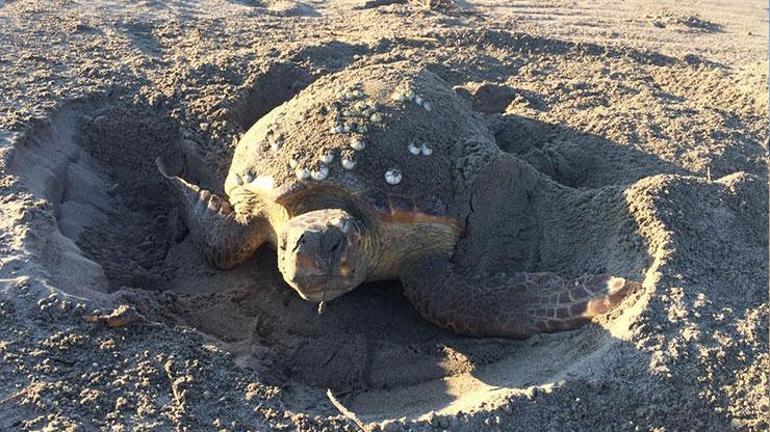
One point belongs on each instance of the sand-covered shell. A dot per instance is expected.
(366, 130)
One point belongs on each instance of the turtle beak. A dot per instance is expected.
(319, 256)
(309, 266)
(312, 280)
(317, 291)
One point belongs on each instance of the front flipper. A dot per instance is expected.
(516, 306)
(224, 237)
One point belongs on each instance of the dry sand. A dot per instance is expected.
(654, 117)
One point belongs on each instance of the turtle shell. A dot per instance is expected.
(387, 136)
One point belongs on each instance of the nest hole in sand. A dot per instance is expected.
(93, 161)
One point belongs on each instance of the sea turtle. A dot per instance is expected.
(358, 178)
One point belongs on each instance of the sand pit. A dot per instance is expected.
(652, 166)
(119, 234)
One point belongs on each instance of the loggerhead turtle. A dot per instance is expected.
(356, 179)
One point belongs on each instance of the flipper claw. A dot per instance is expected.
(224, 237)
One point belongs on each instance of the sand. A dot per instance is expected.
(652, 121)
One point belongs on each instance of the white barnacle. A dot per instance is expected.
(327, 158)
(376, 117)
(409, 94)
(293, 163)
(247, 178)
(321, 173)
(418, 100)
(414, 149)
(425, 150)
(358, 94)
(346, 128)
(213, 204)
(398, 96)
(393, 176)
(357, 144)
(262, 183)
(362, 128)
(302, 173)
(427, 106)
(275, 145)
(348, 164)
(347, 113)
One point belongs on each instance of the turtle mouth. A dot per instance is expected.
(320, 296)
(318, 287)
(315, 282)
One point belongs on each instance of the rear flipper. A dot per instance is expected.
(515, 306)
(225, 237)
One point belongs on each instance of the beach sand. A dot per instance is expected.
(657, 116)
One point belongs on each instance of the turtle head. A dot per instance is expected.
(322, 254)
